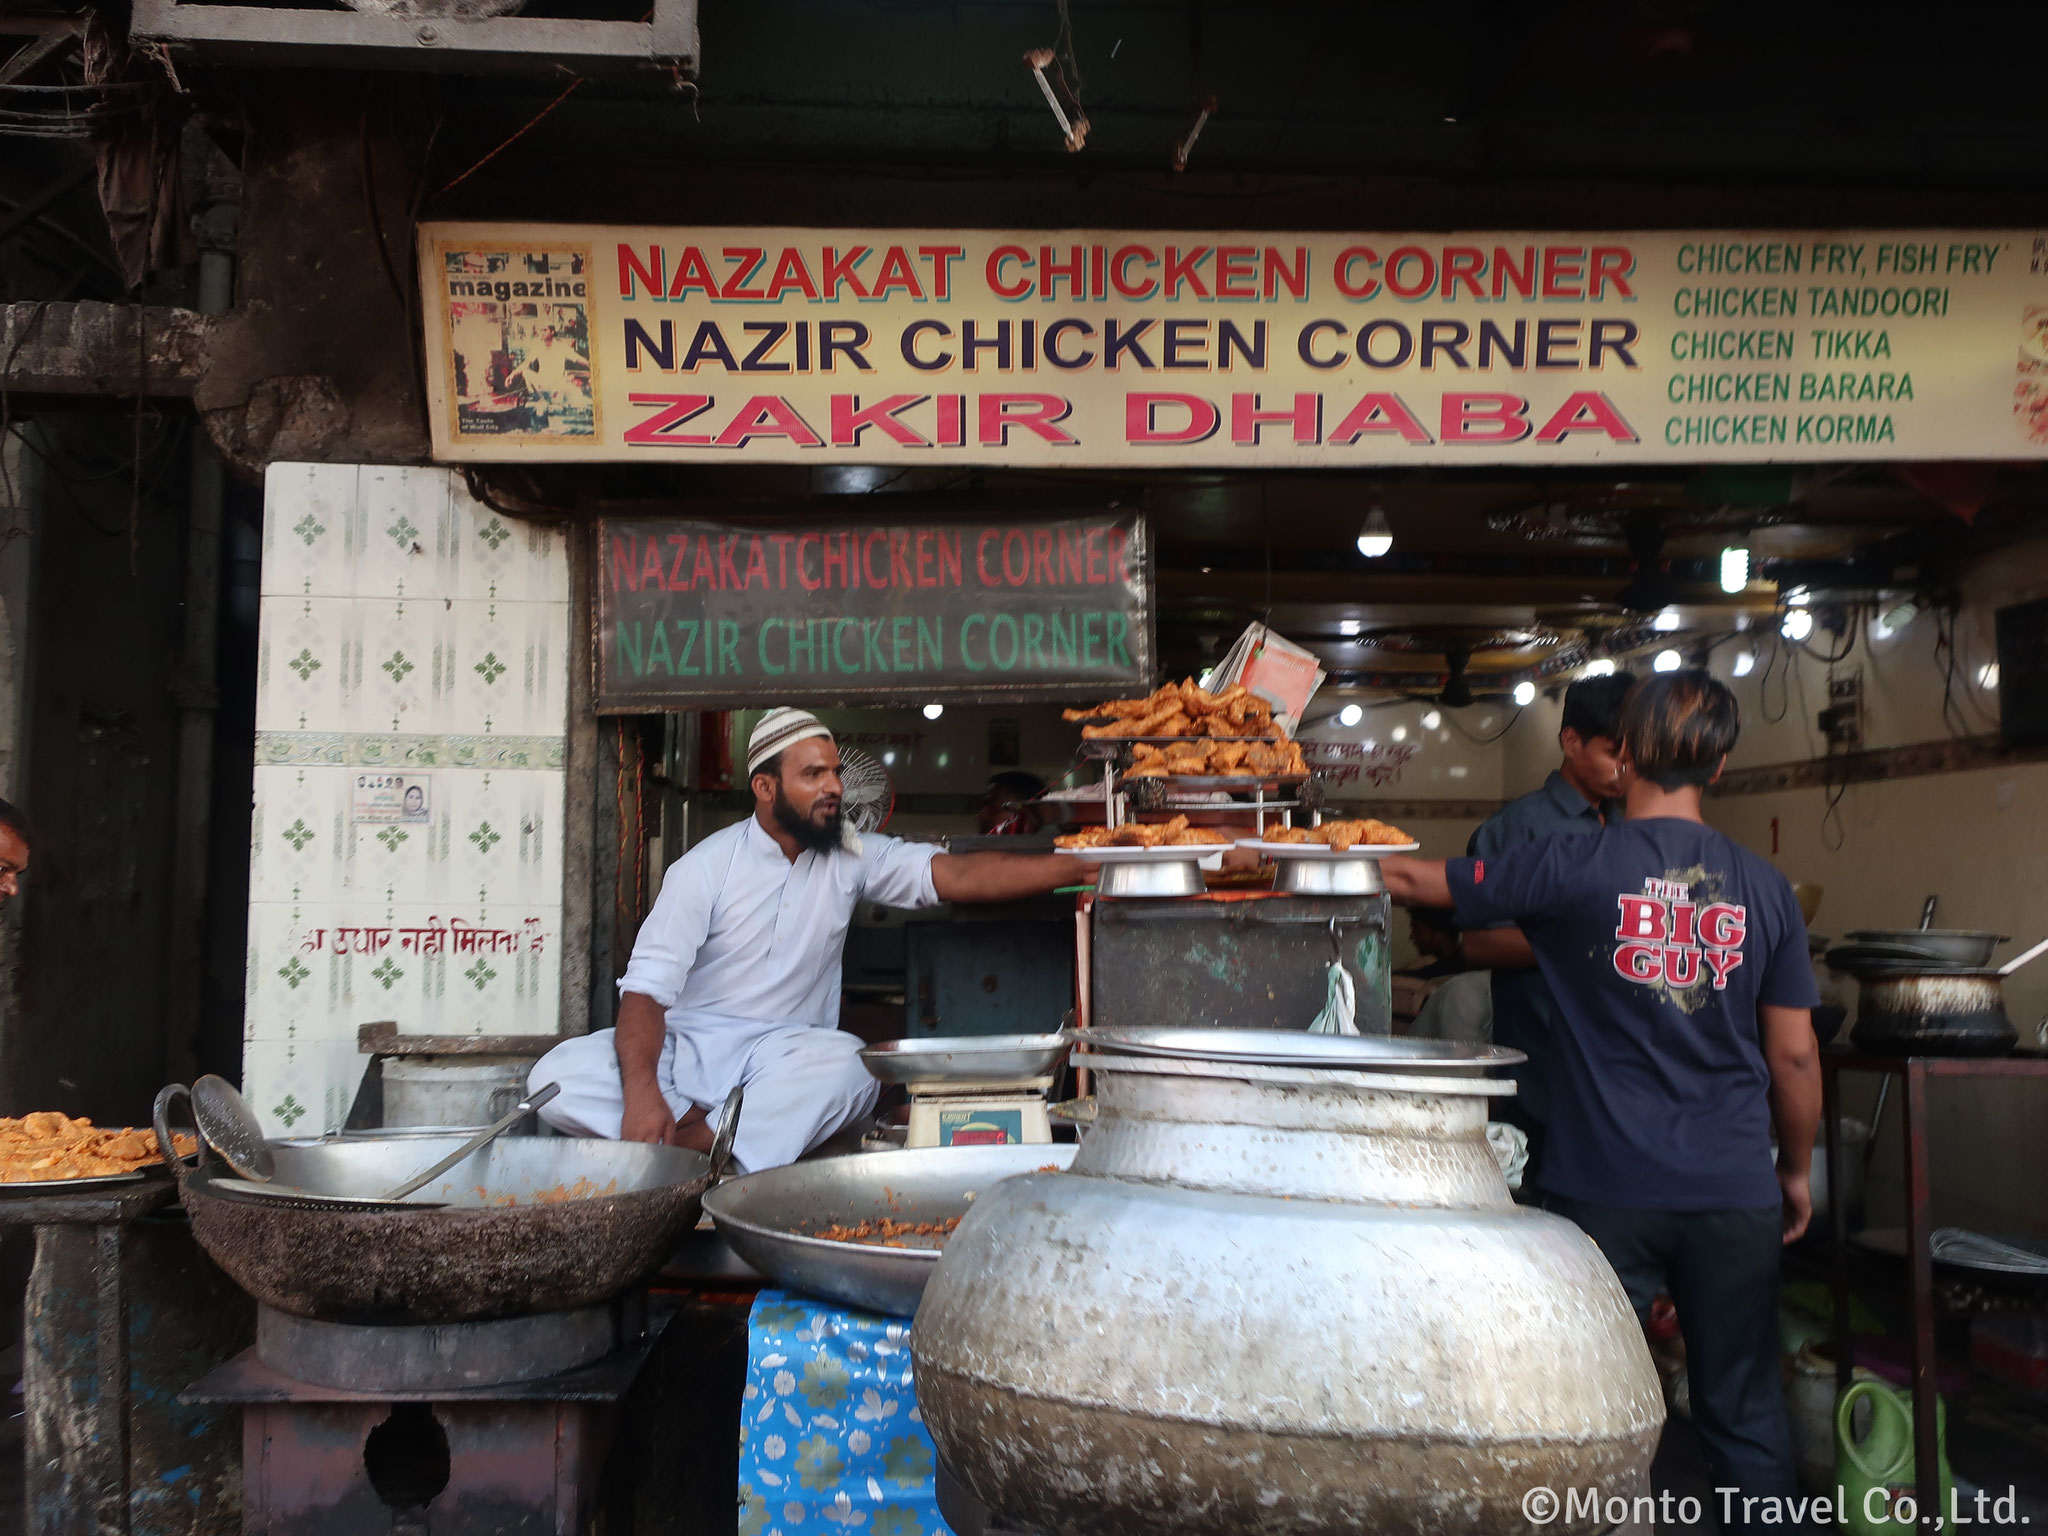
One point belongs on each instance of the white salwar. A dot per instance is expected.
(742, 952)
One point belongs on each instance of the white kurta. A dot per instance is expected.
(742, 952)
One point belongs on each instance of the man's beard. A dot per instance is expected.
(814, 836)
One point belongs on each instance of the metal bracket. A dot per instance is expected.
(261, 35)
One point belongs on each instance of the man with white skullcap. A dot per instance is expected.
(734, 980)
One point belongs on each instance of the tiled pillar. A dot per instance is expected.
(406, 629)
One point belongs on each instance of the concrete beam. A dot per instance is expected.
(109, 351)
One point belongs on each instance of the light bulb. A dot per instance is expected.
(1734, 568)
(1604, 667)
(1432, 720)
(1745, 663)
(933, 711)
(1525, 693)
(1377, 536)
(1666, 621)
(1668, 661)
(1798, 597)
(1350, 715)
(1399, 733)
(1798, 624)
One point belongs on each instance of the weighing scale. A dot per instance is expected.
(973, 1090)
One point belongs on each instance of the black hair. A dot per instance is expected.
(1592, 705)
(1025, 786)
(1678, 726)
(14, 821)
(772, 766)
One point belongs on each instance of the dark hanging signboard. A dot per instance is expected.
(694, 613)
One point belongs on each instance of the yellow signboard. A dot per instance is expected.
(1087, 347)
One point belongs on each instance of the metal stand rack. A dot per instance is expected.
(1915, 1072)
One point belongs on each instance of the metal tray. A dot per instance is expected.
(45, 1186)
(1286, 1048)
(1281, 852)
(965, 1058)
(767, 1217)
(1179, 853)
(1099, 747)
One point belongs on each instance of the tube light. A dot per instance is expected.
(1734, 568)
(1376, 537)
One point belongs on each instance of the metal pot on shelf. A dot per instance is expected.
(1922, 1007)
(1282, 1288)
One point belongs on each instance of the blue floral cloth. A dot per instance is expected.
(830, 1436)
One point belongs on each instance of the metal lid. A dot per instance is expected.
(1290, 1048)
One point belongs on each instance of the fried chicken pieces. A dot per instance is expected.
(48, 1145)
(1342, 834)
(1205, 722)
(1182, 709)
(1160, 834)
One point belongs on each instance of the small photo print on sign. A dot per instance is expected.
(2030, 391)
(519, 340)
(393, 798)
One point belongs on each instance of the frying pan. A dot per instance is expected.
(528, 1224)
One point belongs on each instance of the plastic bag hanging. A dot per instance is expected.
(1340, 1005)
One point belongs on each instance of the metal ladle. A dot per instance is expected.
(482, 1138)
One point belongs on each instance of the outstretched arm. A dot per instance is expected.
(1416, 882)
(1497, 949)
(1005, 876)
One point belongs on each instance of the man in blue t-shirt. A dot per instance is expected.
(1684, 1038)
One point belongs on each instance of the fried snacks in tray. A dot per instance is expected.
(52, 1148)
(1341, 834)
(1182, 710)
(1156, 834)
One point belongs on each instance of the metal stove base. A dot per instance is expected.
(519, 1456)
(440, 1357)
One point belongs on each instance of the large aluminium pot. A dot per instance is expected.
(1280, 1299)
(531, 1224)
(1941, 1012)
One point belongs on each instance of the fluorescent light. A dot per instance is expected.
(1604, 667)
(1348, 627)
(1525, 692)
(1668, 661)
(1399, 733)
(1666, 621)
(1892, 620)
(1432, 720)
(933, 711)
(1745, 663)
(1798, 597)
(1734, 568)
(1350, 715)
(1798, 624)
(1377, 536)
(1987, 675)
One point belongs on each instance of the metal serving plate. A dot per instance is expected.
(47, 1186)
(966, 1058)
(1287, 1048)
(768, 1217)
(1322, 853)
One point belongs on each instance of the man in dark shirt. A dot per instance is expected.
(1580, 797)
(1684, 1037)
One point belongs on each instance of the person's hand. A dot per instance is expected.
(1796, 1191)
(648, 1118)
